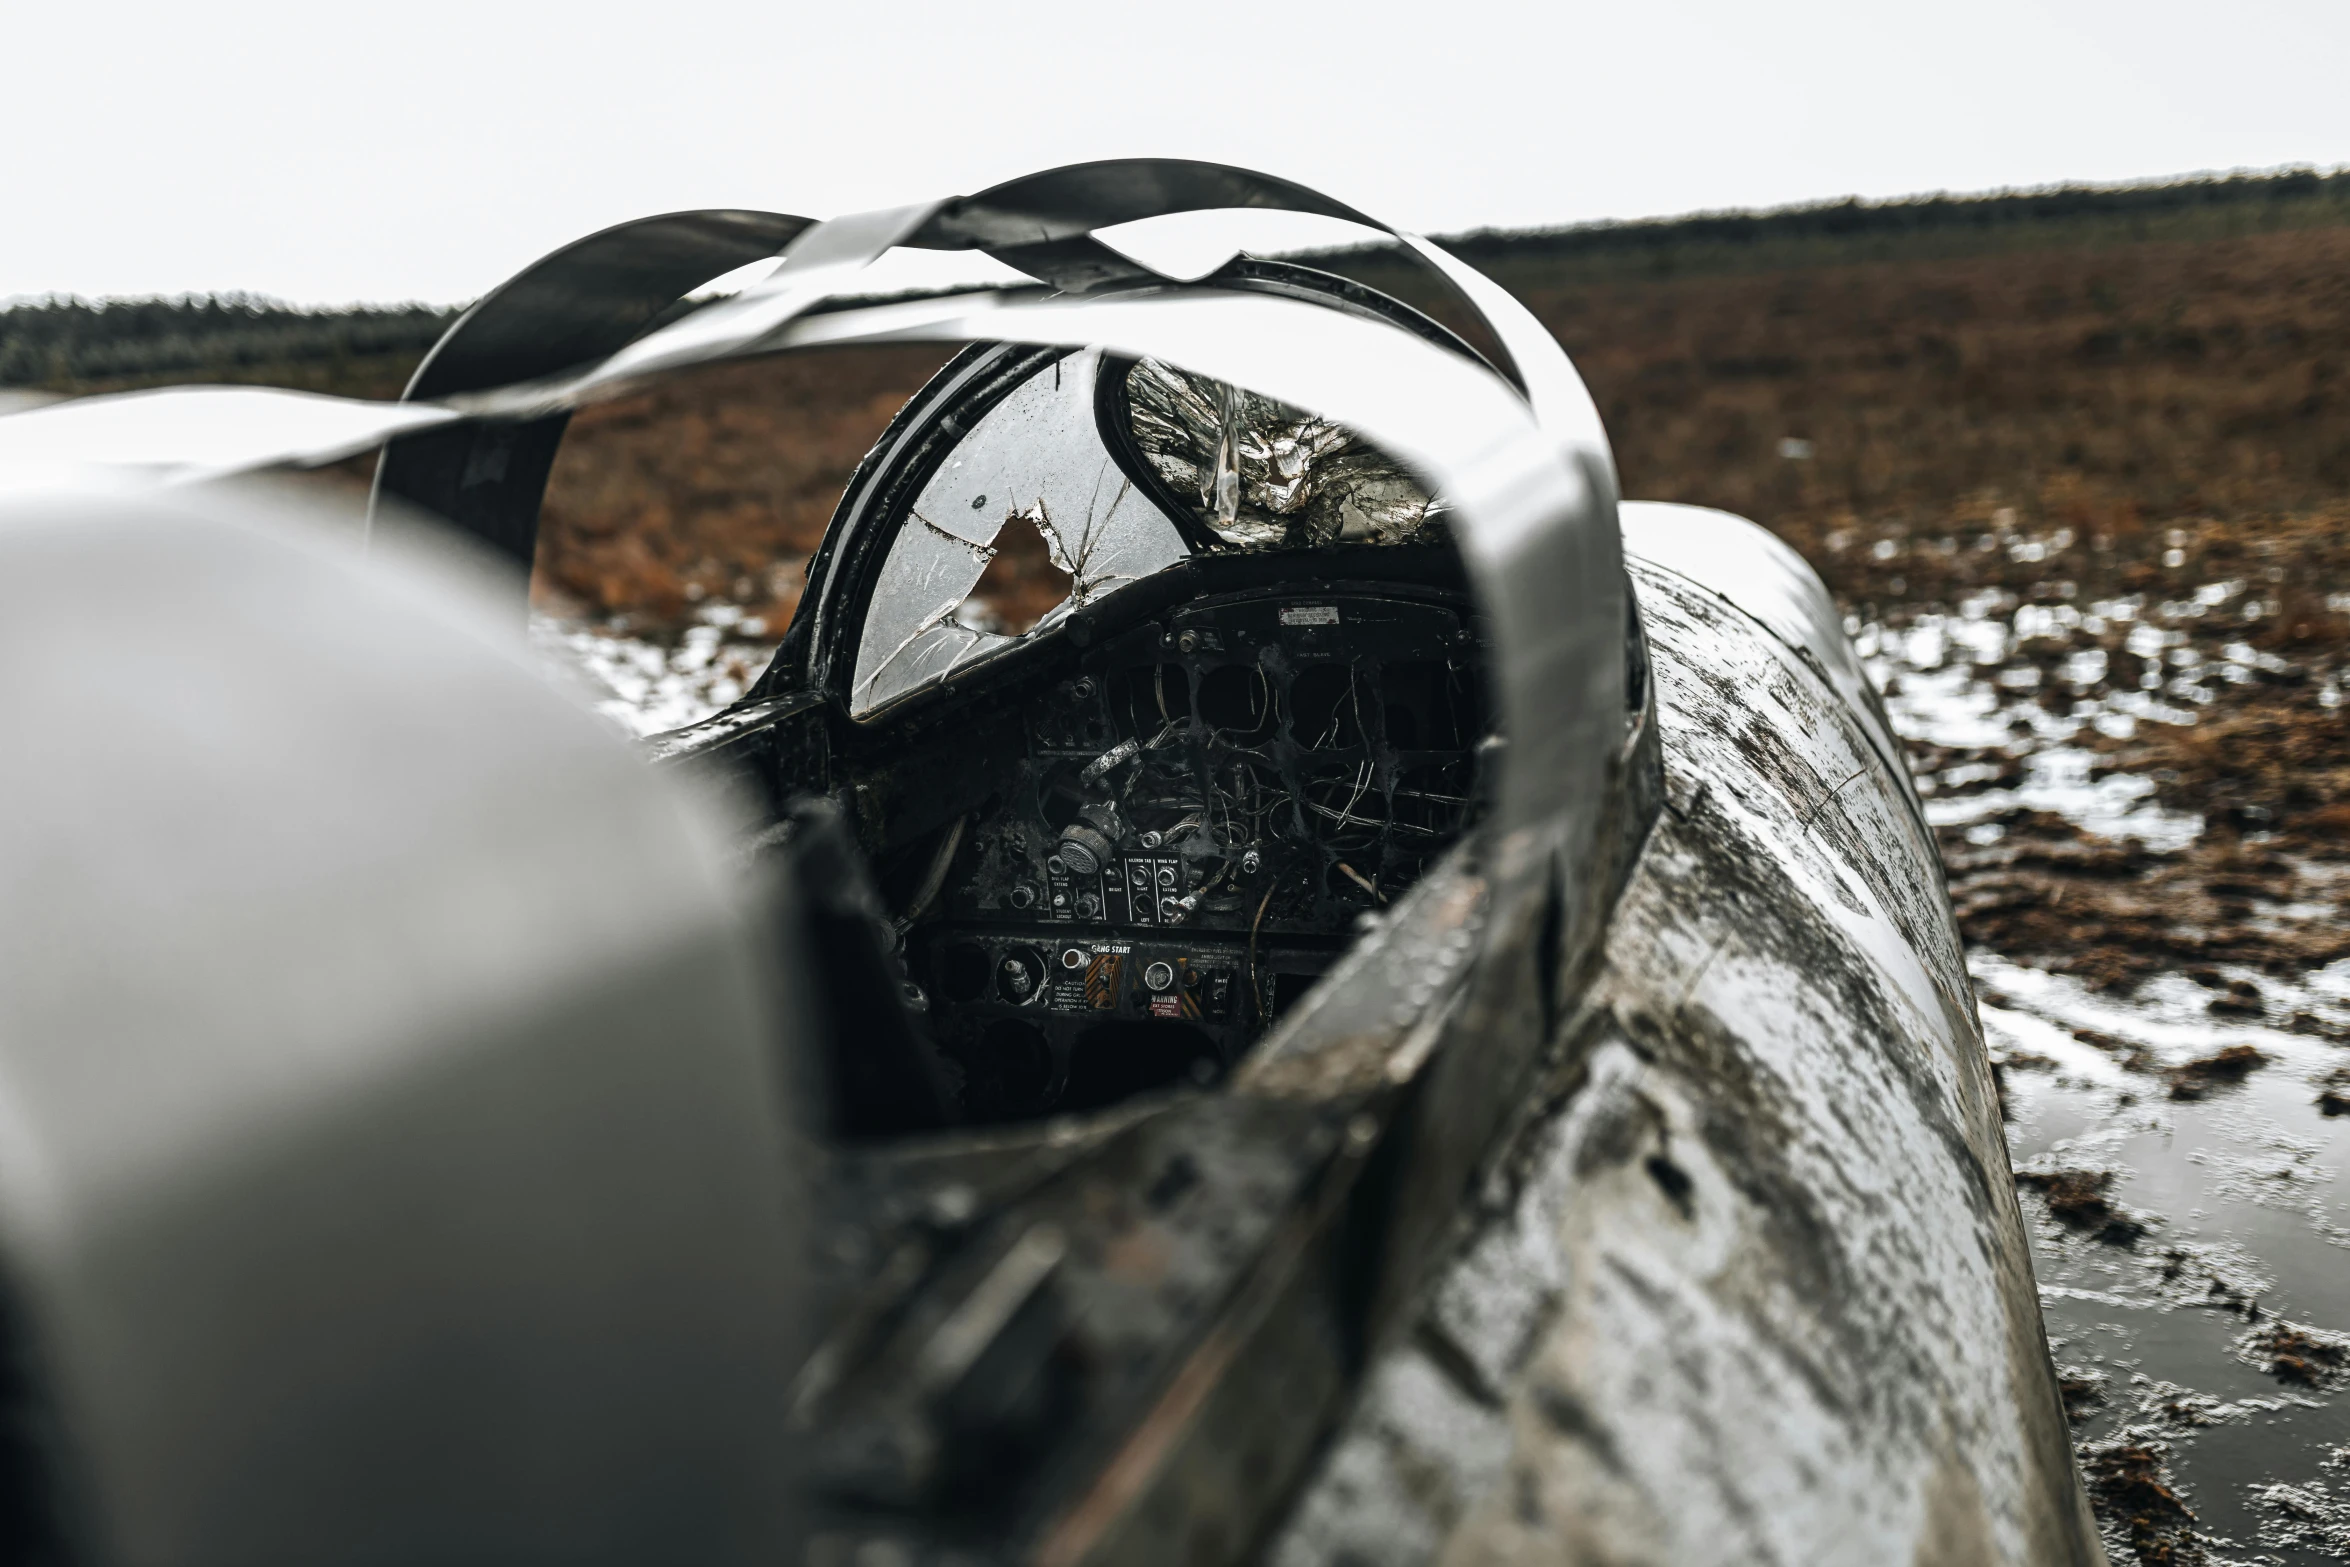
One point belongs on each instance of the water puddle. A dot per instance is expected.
(2166, 996)
(2193, 1256)
(648, 687)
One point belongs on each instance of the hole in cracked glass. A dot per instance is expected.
(1020, 585)
(1031, 515)
(1032, 475)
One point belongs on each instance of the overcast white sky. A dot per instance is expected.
(327, 152)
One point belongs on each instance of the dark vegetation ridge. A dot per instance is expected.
(1909, 228)
(73, 345)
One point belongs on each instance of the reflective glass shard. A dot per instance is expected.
(1263, 474)
(1038, 457)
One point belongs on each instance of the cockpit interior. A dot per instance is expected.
(1104, 843)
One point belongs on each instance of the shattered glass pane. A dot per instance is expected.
(1036, 456)
(1261, 475)
(1265, 474)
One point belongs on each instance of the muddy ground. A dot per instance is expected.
(2131, 741)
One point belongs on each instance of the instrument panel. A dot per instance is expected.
(1204, 809)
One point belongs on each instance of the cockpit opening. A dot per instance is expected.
(1155, 688)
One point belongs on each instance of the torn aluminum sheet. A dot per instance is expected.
(190, 434)
(1264, 473)
(1422, 402)
(1036, 457)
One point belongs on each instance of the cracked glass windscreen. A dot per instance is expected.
(1035, 460)
(958, 585)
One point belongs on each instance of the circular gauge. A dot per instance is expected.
(1019, 975)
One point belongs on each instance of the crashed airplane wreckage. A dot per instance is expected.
(1414, 1014)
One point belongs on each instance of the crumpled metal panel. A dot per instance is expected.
(569, 308)
(1756, 1288)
